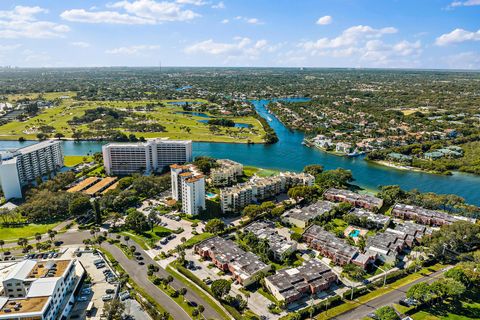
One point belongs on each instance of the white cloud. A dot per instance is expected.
(241, 48)
(219, 5)
(467, 3)
(132, 50)
(324, 20)
(349, 37)
(80, 44)
(136, 12)
(359, 46)
(457, 36)
(225, 21)
(21, 22)
(249, 20)
(192, 2)
(111, 17)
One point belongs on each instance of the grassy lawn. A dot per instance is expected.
(196, 239)
(349, 305)
(148, 239)
(191, 286)
(71, 161)
(468, 307)
(168, 116)
(250, 171)
(28, 231)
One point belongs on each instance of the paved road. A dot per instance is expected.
(392, 297)
(139, 275)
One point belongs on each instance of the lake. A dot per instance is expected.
(290, 154)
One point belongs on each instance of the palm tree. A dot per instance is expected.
(200, 309)
(126, 238)
(23, 242)
(2, 243)
(38, 237)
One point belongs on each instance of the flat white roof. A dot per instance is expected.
(42, 287)
(21, 270)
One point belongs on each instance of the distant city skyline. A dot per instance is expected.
(433, 34)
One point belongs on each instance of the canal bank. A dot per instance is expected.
(290, 154)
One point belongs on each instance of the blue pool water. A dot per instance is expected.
(354, 233)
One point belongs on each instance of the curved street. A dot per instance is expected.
(139, 275)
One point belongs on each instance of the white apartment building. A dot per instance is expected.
(25, 165)
(40, 290)
(151, 156)
(257, 189)
(188, 186)
(226, 173)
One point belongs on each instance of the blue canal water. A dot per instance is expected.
(290, 154)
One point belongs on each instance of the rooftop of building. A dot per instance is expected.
(310, 212)
(429, 213)
(290, 282)
(330, 241)
(353, 195)
(376, 218)
(100, 185)
(83, 184)
(147, 143)
(23, 305)
(29, 269)
(266, 230)
(228, 252)
(38, 146)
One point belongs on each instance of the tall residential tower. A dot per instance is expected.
(25, 165)
(151, 156)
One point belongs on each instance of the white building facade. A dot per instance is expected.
(151, 156)
(25, 165)
(188, 186)
(40, 290)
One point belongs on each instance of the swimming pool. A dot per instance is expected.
(354, 233)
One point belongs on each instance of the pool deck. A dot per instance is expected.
(354, 229)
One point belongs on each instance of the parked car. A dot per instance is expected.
(82, 299)
(107, 297)
(124, 295)
(109, 291)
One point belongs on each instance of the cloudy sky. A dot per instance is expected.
(310, 33)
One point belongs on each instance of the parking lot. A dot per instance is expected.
(94, 291)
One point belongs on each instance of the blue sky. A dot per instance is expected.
(277, 33)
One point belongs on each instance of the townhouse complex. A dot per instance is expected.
(228, 256)
(226, 173)
(26, 165)
(238, 196)
(151, 156)
(338, 250)
(39, 290)
(377, 221)
(358, 200)
(280, 246)
(426, 216)
(292, 284)
(301, 217)
(188, 186)
(388, 245)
